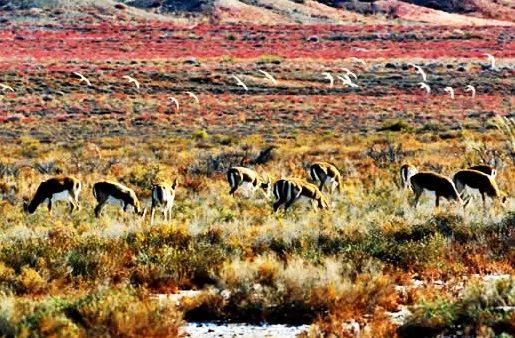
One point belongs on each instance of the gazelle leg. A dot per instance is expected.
(235, 183)
(278, 204)
(98, 208)
(292, 199)
(437, 202)
(288, 204)
(322, 183)
(417, 197)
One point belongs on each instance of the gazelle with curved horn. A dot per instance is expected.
(350, 73)
(5, 87)
(163, 196)
(433, 182)
(174, 101)
(130, 79)
(240, 83)
(407, 170)
(477, 180)
(289, 190)
(268, 76)
(237, 176)
(194, 97)
(347, 81)
(63, 188)
(425, 86)
(420, 71)
(325, 172)
(329, 77)
(107, 192)
(450, 91)
(491, 59)
(471, 89)
(82, 78)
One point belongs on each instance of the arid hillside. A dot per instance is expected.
(470, 12)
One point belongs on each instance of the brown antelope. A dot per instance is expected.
(407, 170)
(237, 176)
(288, 190)
(477, 180)
(485, 169)
(63, 188)
(106, 192)
(326, 172)
(433, 182)
(163, 196)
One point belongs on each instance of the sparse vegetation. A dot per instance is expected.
(363, 261)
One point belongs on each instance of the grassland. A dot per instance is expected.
(369, 257)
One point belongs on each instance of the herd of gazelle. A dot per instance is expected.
(345, 79)
(285, 190)
(479, 177)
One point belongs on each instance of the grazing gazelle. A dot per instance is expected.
(326, 172)
(163, 196)
(237, 176)
(106, 192)
(477, 180)
(433, 182)
(288, 190)
(407, 170)
(63, 188)
(485, 169)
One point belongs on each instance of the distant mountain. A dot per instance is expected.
(173, 5)
(449, 12)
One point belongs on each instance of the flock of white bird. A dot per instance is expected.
(346, 79)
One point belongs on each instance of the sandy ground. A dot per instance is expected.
(202, 330)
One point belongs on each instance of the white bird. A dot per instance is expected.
(471, 88)
(358, 60)
(6, 87)
(346, 80)
(425, 86)
(132, 80)
(82, 78)
(268, 76)
(194, 97)
(240, 83)
(449, 90)
(174, 100)
(421, 72)
(349, 73)
(329, 77)
(491, 58)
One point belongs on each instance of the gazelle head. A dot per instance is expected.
(266, 185)
(174, 183)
